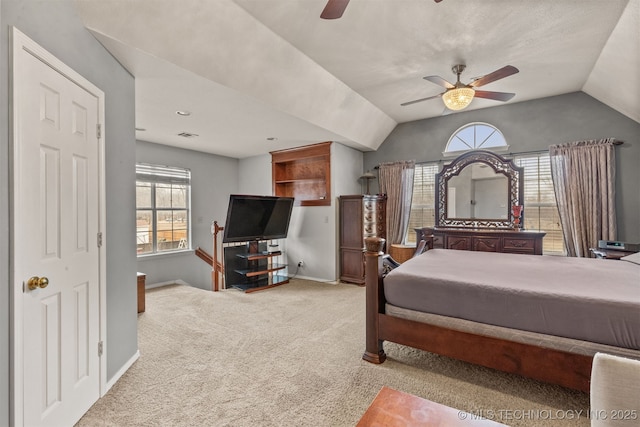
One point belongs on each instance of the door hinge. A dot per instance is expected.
(100, 239)
(99, 130)
(100, 348)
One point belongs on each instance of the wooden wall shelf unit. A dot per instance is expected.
(515, 241)
(303, 173)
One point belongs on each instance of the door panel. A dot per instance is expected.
(51, 342)
(50, 201)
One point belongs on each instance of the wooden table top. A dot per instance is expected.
(393, 408)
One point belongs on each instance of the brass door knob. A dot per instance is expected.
(37, 282)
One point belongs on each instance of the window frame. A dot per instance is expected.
(157, 176)
(496, 148)
(517, 158)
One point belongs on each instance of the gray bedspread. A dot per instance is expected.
(586, 299)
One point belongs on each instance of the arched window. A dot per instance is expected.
(475, 136)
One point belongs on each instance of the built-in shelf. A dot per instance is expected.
(303, 173)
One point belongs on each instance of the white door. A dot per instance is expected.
(56, 231)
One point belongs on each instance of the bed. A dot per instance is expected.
(541, 317)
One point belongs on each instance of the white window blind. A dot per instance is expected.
(163, 174)
(423, 202)
(541, 210)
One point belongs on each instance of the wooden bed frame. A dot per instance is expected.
(544, 364)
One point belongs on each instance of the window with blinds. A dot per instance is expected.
(541, 210)
(423, 204)
(540, 201)
(163, 221)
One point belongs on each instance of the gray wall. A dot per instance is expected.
(56, 27)
(312, 232)
(313, 229)
(533, 126)
(213, 178)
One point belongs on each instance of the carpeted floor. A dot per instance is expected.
(291, 356)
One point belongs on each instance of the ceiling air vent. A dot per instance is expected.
(187, 134)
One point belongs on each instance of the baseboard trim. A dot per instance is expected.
(121, 371)
(170, 282)
(315, 279)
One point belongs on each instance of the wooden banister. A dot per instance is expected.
(200, 253)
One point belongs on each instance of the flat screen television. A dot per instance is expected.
(257, 218)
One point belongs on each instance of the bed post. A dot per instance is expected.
(374, 352)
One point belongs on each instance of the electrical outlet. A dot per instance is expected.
(300, 263)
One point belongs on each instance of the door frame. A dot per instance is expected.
(21, 42)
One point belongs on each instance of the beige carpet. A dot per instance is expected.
(291, 356)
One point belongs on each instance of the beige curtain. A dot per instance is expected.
(396, 181)
(584, 182)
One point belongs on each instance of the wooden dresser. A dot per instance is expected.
(486, 240)
(361, 216)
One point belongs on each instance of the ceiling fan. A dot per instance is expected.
(459, 95)
(335, 8)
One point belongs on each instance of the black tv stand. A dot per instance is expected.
(250, 267)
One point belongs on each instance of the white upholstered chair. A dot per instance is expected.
(615, 391)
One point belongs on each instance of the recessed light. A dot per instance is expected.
(183, 113)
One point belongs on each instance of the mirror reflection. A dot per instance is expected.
(478, 192)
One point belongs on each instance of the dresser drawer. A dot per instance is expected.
(512, 244)
(369, 206)
(486, 244)
(458, 242)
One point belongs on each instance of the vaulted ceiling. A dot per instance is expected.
(249, 70)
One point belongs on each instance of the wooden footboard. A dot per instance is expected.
(544, 364)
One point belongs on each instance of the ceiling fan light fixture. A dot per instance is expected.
(458, 98)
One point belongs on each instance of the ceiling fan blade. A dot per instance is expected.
(439, 81)
(334, 9)
(496, 96)
(420, 100)
(496, 75)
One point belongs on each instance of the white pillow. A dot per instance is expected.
(634, 258)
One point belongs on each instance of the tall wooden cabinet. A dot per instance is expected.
(361, 216)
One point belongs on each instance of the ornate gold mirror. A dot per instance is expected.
(478, 190)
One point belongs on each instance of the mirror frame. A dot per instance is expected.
(500, 165)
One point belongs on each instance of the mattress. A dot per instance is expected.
(586, 299)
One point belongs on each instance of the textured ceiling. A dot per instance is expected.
(253, 69)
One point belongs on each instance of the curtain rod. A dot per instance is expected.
(616, 142)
